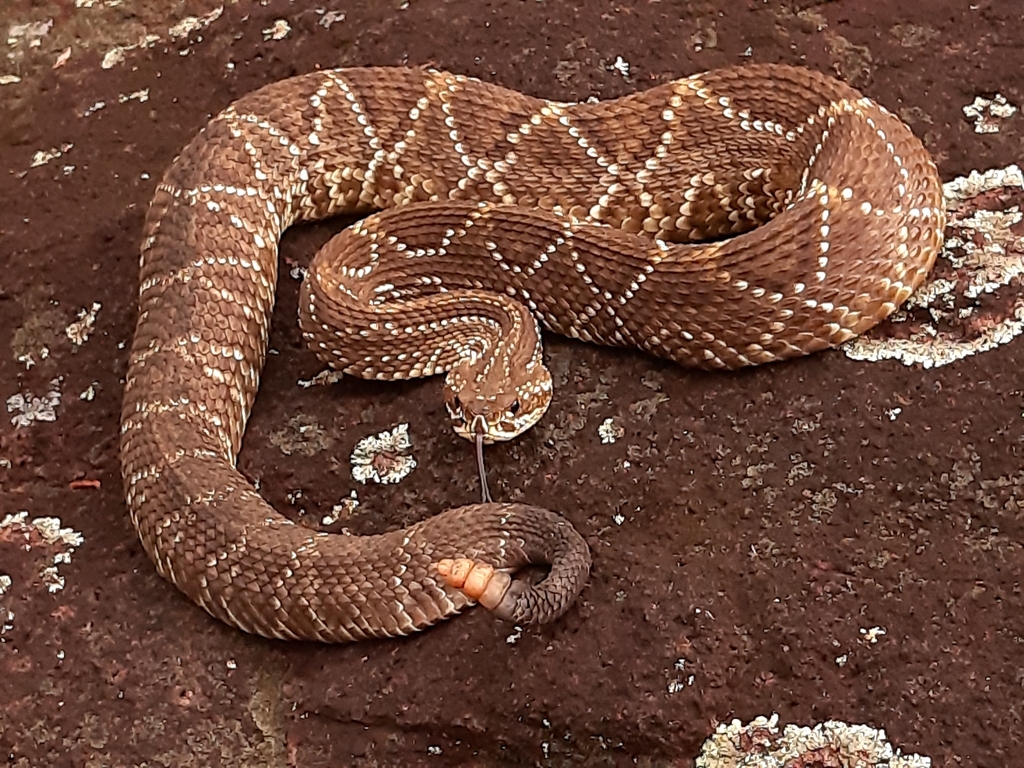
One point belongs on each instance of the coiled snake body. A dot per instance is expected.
(498, 211)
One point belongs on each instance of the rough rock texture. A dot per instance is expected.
(751, 532)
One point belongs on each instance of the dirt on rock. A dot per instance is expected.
(824, 539)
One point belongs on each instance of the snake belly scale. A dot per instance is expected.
(732, 218)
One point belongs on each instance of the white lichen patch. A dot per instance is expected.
(755, 474)
(303, 435)
(621, 66)
(330, 17)
(175, 32)
(343, 510)
(43, 156)
(802, 426)
(965, 187)
(823, 504)
(50, 530)
(45, 532)
(80, 330)
(384, 457)
(190, 24)
(609, 431)
(973, 302)
(801, 470)
(279, 31)
(835, 744)
(30, 33)
(682, 679)
(871, 634)
(141, 96)
(28, 361)
(989, 114)
(116, 55)
(113, 57)
(6, 621)
(9, 79)
(63, 58)
(28, 408)
(325, 377)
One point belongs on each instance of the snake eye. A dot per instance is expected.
(514, 408)
(455, 407)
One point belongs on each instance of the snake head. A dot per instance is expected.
(482, 403)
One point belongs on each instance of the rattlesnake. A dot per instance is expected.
(510, 211)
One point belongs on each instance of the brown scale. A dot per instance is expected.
(824, 211)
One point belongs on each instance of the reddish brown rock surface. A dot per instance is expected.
(749, 530)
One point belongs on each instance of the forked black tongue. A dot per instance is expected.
(481, 468)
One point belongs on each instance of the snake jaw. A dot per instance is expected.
(501, 409)
(499, 425)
